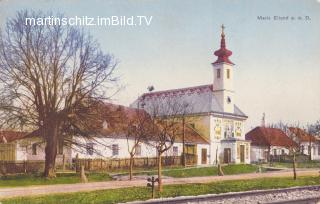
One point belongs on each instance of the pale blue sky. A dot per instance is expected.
(277, 62)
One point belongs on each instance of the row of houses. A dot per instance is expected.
(214, 130)
(264, 142)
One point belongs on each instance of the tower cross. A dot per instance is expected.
(222, 29)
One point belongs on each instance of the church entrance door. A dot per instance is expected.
(227, 156)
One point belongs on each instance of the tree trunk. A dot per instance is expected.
(83, 177)
(131, 167)
(51, 138)
(159, 173)
(220, 172)
(294, 166)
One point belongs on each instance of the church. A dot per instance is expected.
(214, 114)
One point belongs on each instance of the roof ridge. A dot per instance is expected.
(179, 89)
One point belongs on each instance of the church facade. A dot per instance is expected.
(212, 112)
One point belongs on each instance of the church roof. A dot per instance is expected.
(200, 100)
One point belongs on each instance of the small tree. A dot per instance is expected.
(294, 147)
(137, 129)
(166, 121)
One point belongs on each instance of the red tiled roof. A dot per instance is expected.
(302, 135)
(263, 136)
(10, 136)
(179, 91)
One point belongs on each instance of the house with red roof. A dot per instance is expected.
(267, 141)
(210, 109)
(309, 144)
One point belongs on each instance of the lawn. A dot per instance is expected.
(143, 193)
(67, 178)
(37, 179)
(207, 171)
(307, 164)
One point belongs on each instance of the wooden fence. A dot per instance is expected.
(13, 167)
(289, 158)
(101, 164)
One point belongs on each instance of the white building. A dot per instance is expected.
(212, 111)
(268, 141)
(308, 143)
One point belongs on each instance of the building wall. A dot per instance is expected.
(222, 129)
(25, 151)
(199, 153)
(260, 153)
(315, 150)
(103, 149)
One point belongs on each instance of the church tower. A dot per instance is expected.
(223, 76)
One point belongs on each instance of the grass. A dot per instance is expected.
(307, 164)
(143, 193)
(68, 178)
(37, 179)
(207, 171)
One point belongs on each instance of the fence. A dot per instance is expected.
(13, 167)
(289, 158)
(100, 164)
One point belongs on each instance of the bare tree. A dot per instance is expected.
(51, 77)
(137, 129)
(294, 148)
(167, 115)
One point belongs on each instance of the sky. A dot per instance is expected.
(277, 69)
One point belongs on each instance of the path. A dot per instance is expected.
(80, 187)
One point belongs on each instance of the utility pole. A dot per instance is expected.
(183, 142)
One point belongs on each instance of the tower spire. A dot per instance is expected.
(223, 53)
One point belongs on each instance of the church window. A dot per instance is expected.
(218, 73)
(229, 99)
(228, 73)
